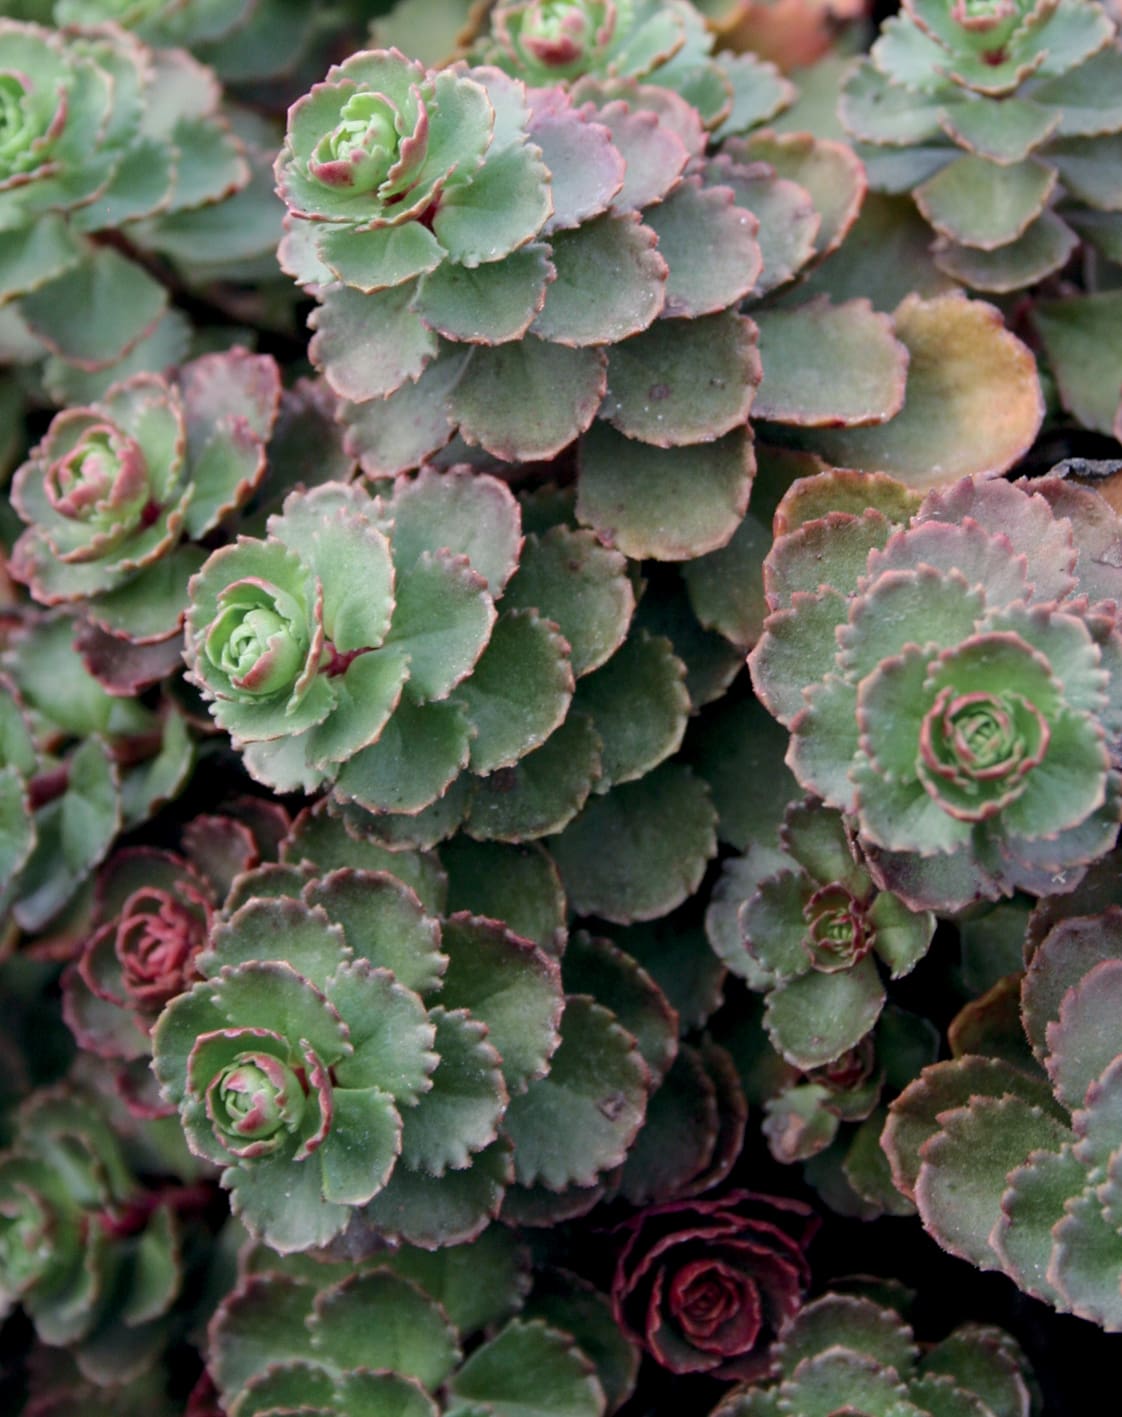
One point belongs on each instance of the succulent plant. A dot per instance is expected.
(101, 133)
(664, 45)
(846, 1352)
(997, 118)
(115, 492)
(947, 671)
(91, 1257)
(1012, 1155)
(812, 925)
(352, 1062)
(151, 917)
(706, 1286)
(391, 1336)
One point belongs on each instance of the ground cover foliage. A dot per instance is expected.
(560, 707)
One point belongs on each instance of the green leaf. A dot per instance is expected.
(626, 486)
(379, 1320)
(740, 755)
(361, 367)
(616, 980)
(461, 1112)
(980, 203)
(96, 310)
(787, 217)
(420, 752)
(505, 205)
(582, 586)
(639, 706)
(683, 381)
(1035, 1200)
(459, 510)
(983, 1360)
(1045, 247)
(585, 169)
(449, 1210)
(876, 110)
(380, 259)
(816, 1018)
(829, 365)
(400, 431)
(529, 1370)
(489, 304)
(516, 884)
(390, 1035)
(442, 620)
(848, 1321)
(361, 1147)
(867, 1386)
(675, 954)
(1088, 169)
(511, 986)
(571, 1305)
(709, 244)
(543, 791)
(351, 561)
(773, 923)
(1077, 335)
(1003, 130)
(525, 401)
(611, 283)
(271, 995)
(330, 844)
(520, 691)
(1085, 1262)
(962, 1175)
(31, 256)
(281, 1202)
(580, 1119)
(830, 171)
(640, 850)
(1088, 98)
(973, 402)
(1081, 1040)
(902, 935)
(74, 834)
(278, 929)
(476, 1285)
(260, 1323)
(678, 1136)
(382, 921)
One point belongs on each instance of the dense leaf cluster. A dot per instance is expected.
(560, 704)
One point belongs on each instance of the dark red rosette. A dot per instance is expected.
(153, 914)
(706, 1286)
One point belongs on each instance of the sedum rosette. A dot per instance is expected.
(115, 492)
(357, 1066)
(93, 1259)
(949, 671)
(812, 926)
(707, 1286)
(390, 1336)
(99, 134)
(1013, 1155)
(1000, 119)
(666, 45)
(848, 1352)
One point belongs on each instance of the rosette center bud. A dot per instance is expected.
(102, 481)
(26, 1248)
(18, 127)
(360, 151)
(709, 1295)
(256, 1099)
(259, 639)
(559, 33)
(838, 934)
(156, 942)
(976, 750)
